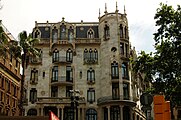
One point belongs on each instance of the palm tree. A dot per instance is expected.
(26, 44)
(3, 42)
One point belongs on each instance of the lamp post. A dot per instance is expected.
(75, 94)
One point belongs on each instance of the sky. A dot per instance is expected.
(19, 15)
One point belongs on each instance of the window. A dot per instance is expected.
(127, 50)
(32, 112)
(91, 95)
(106, 32)
(70, 34)
(11, 57)
(55, 56)
(69, 55)
(126, 113)
(91, 114)
(54, 34)
(115, 91)
(115, 113)
(126, 91)
(16, 63)
(68, 93)
(43, 74)
(1, 96)
(33, 95)
(34, 76)
(90, 33)
(55, 73)
(114, 70)
(90, 56)
(54, 91)
(69, 73)
(7, 85)
(122, 48)
(121, 31)
(37, 34)
(91, 75)
(126, 32)
(62, 32)
(125, 71)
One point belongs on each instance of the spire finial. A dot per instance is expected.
(117, 7)
(105, 8)
(99, 13)
(124, 10)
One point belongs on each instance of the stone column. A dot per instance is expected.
(121, 112)
(79, 117)
(108, 108)
(83, 113)
(58, 112)
(62, 115)
(41, 112)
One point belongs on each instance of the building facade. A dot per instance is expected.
(84, 71)
(10, 79)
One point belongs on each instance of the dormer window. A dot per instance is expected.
(90, 34)
(62, 32)
(37, 34)
(106, 32)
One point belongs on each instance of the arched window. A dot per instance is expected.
(33, 95)
(32, 112)
(91, 95)
(114, 70)
(70, 34)
(91, 75)
(91, 54)
(34, 76)
(54, 34)
(115, 113)
(55, 56)
(91, 114)
(69, 55)
(106, 32)
(121, 31)
(86, 55)
(37, 34)
(62, 32)
(90, 33)
(125, 71)
(126, 91)
(95, 56)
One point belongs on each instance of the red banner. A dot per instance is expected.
(52, 116)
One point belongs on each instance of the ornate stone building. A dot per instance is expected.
(10, 79)
(90, 59)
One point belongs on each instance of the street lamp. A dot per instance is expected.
(75, 94)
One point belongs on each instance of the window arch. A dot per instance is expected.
(91, 114)
(91, 75)
(90, 33)
(69, 55)
(54, 34)
(55, 56)
(32, 112)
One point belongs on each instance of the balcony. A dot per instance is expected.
(43, 41)
(57, 100)
(62, 80)
(90, 61)
(35, 60)
(62, 59)
(88, 41)
(112, 99)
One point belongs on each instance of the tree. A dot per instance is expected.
(26, 44)
(163, 68)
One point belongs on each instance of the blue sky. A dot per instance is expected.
(19, 15)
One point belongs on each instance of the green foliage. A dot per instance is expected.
(164, 67)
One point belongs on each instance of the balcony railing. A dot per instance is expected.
(61, 80)
(114, 98)
(87, 41)
(57, 100)
(62, 59)
(36, 60)
(90, 61)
